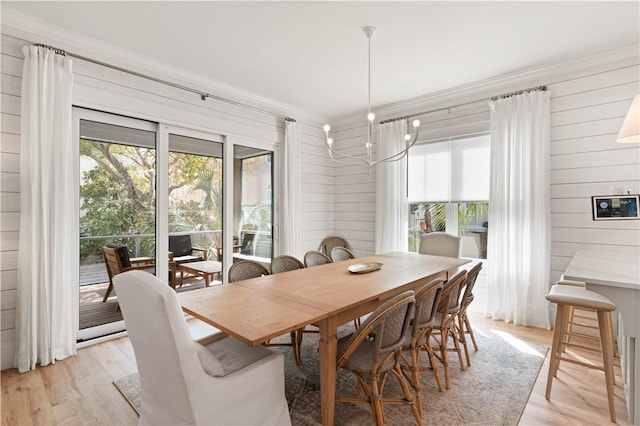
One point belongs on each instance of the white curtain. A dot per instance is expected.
(391, 190)
(47, 293)
(519, 221)
(291, 192)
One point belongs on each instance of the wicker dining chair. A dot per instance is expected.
(315, 258)
(419, 338)
(246, 269)
(464, 325)
(371, 360)
(445, 326)
(328, 243)
(338, 254)
(285, 263)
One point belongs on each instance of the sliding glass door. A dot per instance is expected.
(117, 208)
(253, 204)
(144, 185)
(195, 201)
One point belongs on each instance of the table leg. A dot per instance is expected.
(328, 347)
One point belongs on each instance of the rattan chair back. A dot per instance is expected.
(246, 269)
(371, 361)
(285, 263)
(329, 243)
(338, 254)
(315, 258)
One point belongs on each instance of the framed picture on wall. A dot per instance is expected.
(614, 207)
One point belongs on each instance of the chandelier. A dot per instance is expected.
(367, 160)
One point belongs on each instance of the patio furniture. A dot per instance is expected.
(184, 252)
(117, 261)
(184, 382)
(207, 269)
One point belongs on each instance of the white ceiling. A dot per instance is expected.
(313, 55)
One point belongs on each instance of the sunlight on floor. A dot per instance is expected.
(517, 343)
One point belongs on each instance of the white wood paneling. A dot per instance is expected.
(8, 280)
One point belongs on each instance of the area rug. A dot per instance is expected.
(494, 390)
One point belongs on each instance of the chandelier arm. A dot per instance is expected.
(402, 153)
(340, 157)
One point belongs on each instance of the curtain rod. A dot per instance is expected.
(203, 95)
(492, 98)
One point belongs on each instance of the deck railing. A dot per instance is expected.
(92, 267)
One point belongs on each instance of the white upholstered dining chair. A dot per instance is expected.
(440, 244)
(183, 382)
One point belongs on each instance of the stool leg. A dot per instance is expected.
(606, 344)
(556, 347)
(569, 325)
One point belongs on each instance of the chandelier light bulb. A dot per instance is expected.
(368, 144)
(326, 128)
(407, 137)
(416, 123)
(330, 141)
(371, 116)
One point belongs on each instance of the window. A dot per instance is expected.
(448, 190)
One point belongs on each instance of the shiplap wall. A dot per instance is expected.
(587, 110)
(147, 100)
(586, 115)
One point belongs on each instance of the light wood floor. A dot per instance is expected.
(79, 390)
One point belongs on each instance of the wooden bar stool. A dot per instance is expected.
(568, 297)
(580, 320)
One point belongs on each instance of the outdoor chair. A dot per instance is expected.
(329, 243)
(371, 360)
(183, 252)
(185, 382)
(338, 254)
(315, 258)
(246, 269)
(440, 244)
(117, 261)
(419, 337)
(248, 244)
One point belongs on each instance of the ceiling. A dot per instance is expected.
(313, 56)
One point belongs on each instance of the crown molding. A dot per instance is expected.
(33, 30)
(484, 89)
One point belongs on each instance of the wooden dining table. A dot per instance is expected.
(328, 296)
